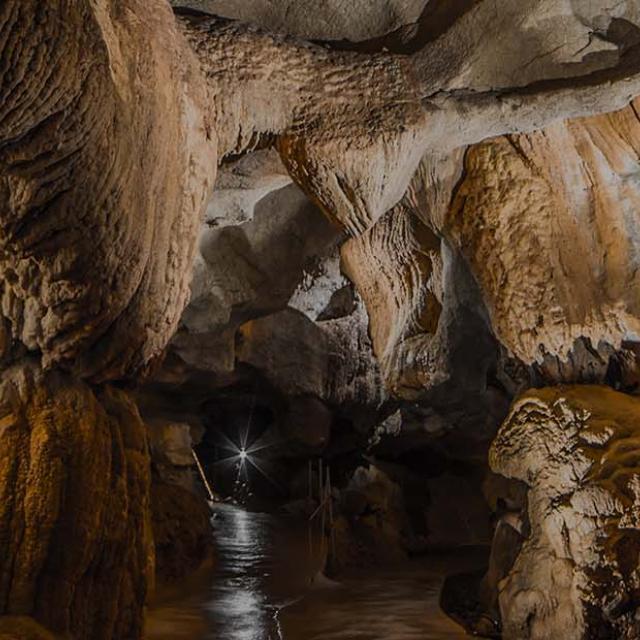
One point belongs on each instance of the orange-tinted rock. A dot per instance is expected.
(21, 628)
(75, 541)
(548, 224)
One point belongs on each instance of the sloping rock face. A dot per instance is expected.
(22, 628)
(392, 263)
(76, 549)
(332, 20)
(576, 575)
(95, 269)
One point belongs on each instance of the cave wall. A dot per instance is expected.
(76, 544)
(462, 226)
(576, 575)
(548, 224)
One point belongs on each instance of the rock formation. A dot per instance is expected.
(412, 209)
(96, 269)
(76, 542)
(577, 180)
(576, 575)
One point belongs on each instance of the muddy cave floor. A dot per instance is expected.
(264, 584)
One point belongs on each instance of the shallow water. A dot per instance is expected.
(399, 605)
(259, 591)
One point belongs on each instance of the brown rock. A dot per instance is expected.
(103, 179)
(289, 349)
(544, 221)
(181, 529)
(306, 426)
(75, 544)
(21, 628)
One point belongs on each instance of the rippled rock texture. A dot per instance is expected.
(75, 546)
(103, 182)
(409, 217)
(548, 224)
(576, 575)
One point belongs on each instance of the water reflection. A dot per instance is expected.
(239, 607)
(259, 591)
(398, 605)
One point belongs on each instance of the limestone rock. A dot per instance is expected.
(331, 20)
(171, 452)
(356, 379)
(248, 270)
(306, 426)
(318, 294)
(114, 117)
(352, 129)
(21, 628)
(102, 183)
(372, 522)
(171, 443)
(261, 245)
(392, 264)
(545, 222)
(75, 547)
(105, 176)
(577, 575)
(456, 514)
(289, 349)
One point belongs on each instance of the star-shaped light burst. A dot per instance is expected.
(245, 455)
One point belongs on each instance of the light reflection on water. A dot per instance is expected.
(258, 592)
(241, 606)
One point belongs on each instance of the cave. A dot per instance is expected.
(319, 320)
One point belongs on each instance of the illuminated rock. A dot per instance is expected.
(577, 575)
(76, 550)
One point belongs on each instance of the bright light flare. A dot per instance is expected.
(243, 455)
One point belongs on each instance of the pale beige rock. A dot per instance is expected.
(426, 317)
(99, 226)
(113, 118)
(577, 575)
(328, 20)
(547, 224)
(392, 264)
(353, 128)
